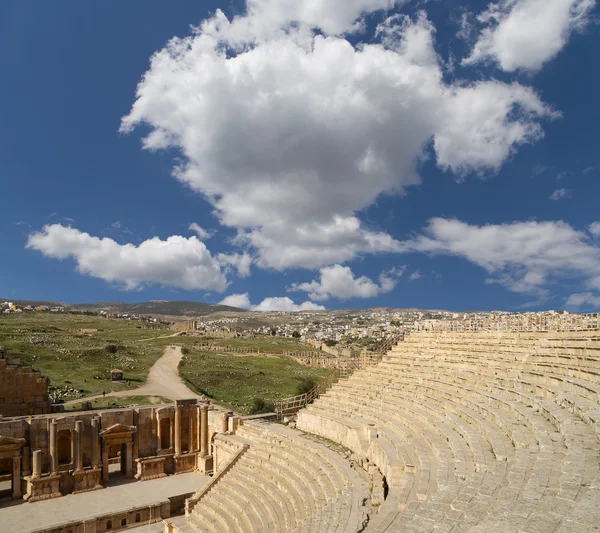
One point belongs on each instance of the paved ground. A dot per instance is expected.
(23, 517)
(163, 380)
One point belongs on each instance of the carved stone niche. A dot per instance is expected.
(11, 451)
(118, 437)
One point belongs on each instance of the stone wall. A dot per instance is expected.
(55, 454)
(23, 391)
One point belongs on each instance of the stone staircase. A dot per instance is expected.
(282, 482)
(479, 432)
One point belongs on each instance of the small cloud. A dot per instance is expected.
(594, 229)
(538, 170)
(559, 194)
(415, 275)
(116, 225)
(200, 231)
(589, 170)
(563, 174)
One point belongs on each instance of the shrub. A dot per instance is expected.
(112, 348)
(306, 384)
(260, 405)
(185, 351)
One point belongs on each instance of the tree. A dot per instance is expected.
(296, 335)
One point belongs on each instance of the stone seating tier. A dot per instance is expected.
(476, 431)
(283, 482)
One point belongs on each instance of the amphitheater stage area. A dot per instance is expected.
(118, 500)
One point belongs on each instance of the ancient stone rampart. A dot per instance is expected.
(23, 391)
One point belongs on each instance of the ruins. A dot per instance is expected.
(23, 391)
(457, 428)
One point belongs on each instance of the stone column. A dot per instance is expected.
(178, 430)
(78, 458)
(129, 460)
(105, 462)
(37, 464)
(204, 430)
(72, 431)
(53, 447)
(191, 412)
(198, 427)
(225, 422)
(95, 442)
(16, 485)
(158, 433)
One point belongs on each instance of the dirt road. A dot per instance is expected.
(163, 380)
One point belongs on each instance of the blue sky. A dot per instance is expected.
(329, 153)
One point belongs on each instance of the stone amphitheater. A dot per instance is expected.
(450, 432)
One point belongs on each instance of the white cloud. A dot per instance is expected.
(559, 194)
(237, 300)
(575, 301)
(175, 262)
(321, 128)
(269, 304)
(286, 304)
(525, 257)
(594, 229)
(415, 275)
(201, 232)
(241, 262)
(339, 282)
(525, 34)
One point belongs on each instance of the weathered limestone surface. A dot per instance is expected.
(479, 432)
(23, 391)
(47, 456)
(270, 478)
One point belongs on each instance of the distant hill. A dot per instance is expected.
(154, 307)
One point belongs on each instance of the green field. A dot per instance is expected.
(81, 361)
(235, 381)
(78, 364)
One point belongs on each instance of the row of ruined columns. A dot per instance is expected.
(198, 417)
(76, 448)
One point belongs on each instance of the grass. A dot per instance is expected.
(115, 401)
(80, 364)
(236, 381)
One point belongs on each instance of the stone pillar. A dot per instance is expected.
(16, 484)
(37, 464)
(198, 427)
(178, 430)
(53, 447)
(95, 442)
(129, 460)
(105, 462)
(204, 430)
(225, 422)
(72, 431)
(78, 455)
(191, 412)
(158, 433)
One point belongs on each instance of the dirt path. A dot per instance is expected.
(163, 380)
(177, 334)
